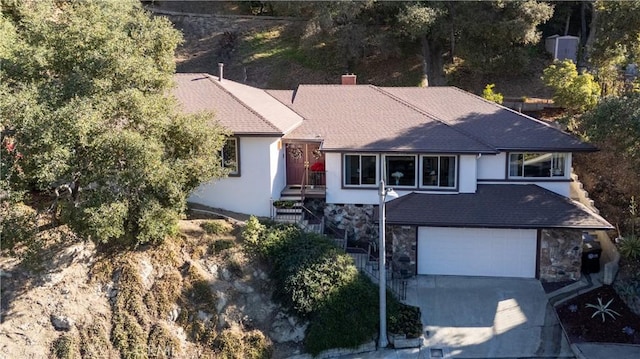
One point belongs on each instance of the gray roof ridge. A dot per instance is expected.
(268, 92)
(210, 78)
(513, 111)
(433, 117)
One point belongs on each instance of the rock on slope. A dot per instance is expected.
(199, 290)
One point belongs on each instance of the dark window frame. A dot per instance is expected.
(345, 185)
(438, 186)
(391, 181)
(236, 148)
(554, 158)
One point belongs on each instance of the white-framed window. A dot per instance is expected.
(438, 171)
(360, 170)
(230, 156)
(401, 170)
(537, 165)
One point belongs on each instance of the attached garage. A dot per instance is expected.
(477, 251)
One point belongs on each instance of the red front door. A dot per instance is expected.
(300, 156)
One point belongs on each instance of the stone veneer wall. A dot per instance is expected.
(560, 254)
(402, 242)
(356, 219)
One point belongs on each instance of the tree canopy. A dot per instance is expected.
(577, 92)
(488, 35)
(85, 108)
(617, 119)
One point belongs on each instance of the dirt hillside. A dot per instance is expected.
(197, 295)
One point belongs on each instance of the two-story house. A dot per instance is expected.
(484, 190)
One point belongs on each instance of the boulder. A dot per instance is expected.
(61, 322)
(282, 329)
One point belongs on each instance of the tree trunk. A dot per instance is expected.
(75, 192)
(432, 66)
(588, 44)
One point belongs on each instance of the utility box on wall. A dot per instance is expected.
(562, 47)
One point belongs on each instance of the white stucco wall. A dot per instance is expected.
(252, 191)
(277, 168)
(467, 176)
(335, 192)
(492, 166)
(471, 168)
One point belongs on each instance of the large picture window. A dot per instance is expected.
(360, 170)
(537, 165)
(400, 171)
(229, 156)
(439, 171)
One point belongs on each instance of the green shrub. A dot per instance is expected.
(17, 224)
(94, 341)
(347, 319)
(574, 91)
(127, 335)
(65, 347)
(240, 345)
(129, 313)
(630, 248)
(315, 280)
(319, 282)
(252, 234)
(164, 293)
(220, 245)
(284, 204)
(162, 344)
(266, 240)
(489, 94)
(404, 319)
(201, 295)
(213, 227)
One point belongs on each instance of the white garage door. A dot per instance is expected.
(477, 252)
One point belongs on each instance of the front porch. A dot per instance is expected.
(298, 192)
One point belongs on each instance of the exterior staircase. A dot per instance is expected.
(289, 215)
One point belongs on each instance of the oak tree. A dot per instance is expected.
(85, 107)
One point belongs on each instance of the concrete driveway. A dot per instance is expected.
(482, 317)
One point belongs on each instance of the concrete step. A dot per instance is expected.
(291, 198)
(289, 218)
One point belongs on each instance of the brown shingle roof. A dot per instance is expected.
(369, 118)
(363, 118)
(494, 125)
(494, 206)
(240, 108)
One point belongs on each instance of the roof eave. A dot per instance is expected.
(501, 226)
(588, 148)
(387, 150)
(257, 134)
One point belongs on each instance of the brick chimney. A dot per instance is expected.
(349, 79)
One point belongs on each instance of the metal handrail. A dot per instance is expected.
(371, 268)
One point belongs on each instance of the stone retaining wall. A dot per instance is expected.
(560, 254)
(401, 243)
(356, 219)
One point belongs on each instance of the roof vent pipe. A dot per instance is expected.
(220, 71)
